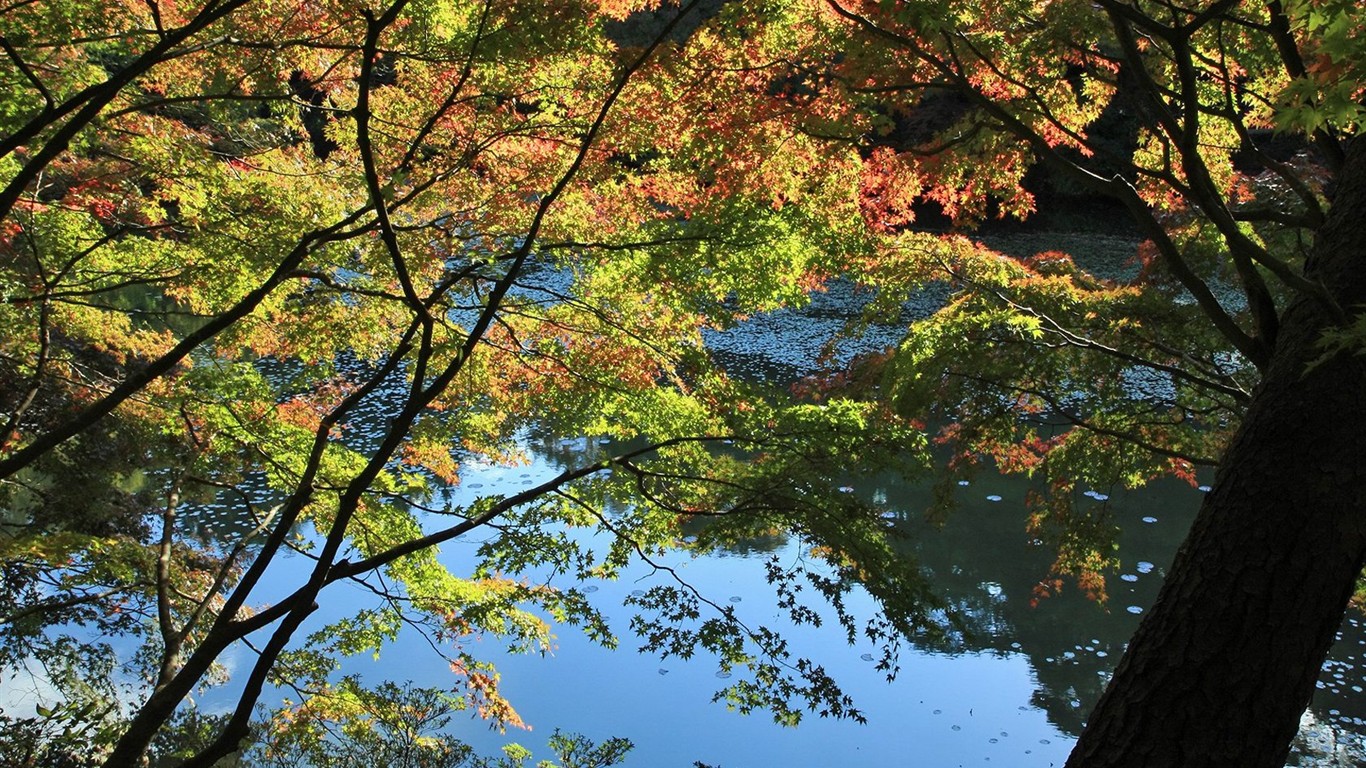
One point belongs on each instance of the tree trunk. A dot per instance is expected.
(1224, 664)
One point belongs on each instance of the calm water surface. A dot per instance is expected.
(1013, 690)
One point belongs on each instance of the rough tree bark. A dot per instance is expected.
(1224, 664)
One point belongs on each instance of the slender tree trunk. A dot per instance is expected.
(1224, 664)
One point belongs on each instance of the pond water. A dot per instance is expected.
(1013, 690)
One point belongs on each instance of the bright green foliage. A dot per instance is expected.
(350, 725)
(292, 266)
(1328, 93)
(304, 261)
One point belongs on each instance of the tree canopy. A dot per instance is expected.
(307, 260)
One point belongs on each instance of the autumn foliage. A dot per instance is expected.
(307, 259)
